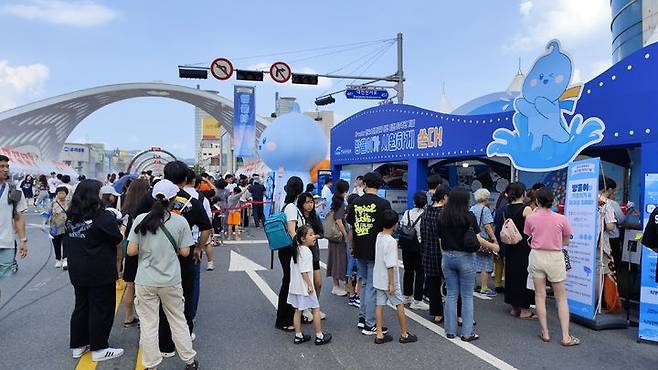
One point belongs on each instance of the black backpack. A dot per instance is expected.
(408, 237)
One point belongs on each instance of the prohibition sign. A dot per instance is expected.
(280, 72)
(221, 68)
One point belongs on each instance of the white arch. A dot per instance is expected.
(43, 126)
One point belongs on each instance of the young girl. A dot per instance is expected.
(301, 293)
(234, 213)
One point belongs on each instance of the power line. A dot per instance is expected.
(312, 49)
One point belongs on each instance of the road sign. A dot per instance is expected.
(221, 68)
(366, 92)
(280, 72)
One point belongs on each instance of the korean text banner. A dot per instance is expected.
(581, 209)
(244, 121)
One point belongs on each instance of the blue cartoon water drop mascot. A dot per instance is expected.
(543, 139)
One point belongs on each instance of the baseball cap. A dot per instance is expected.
(166, 188)
(108, 189)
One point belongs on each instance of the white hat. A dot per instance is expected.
(108, 189)
(166, 188)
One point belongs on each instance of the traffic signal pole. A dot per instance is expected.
(399, 87)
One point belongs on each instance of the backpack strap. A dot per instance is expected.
(169, 236)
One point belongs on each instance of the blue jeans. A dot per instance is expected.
(196, 291)
(368, 295)
(459, 272)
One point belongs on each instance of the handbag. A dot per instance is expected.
(483, 250)
(510, 234)
(331, 231)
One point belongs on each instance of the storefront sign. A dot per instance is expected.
(244, 121)
(581, 209)
(74, 149)
(648, 329)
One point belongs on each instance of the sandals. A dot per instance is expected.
(544, 339)
(326, 338)
(529, 317)
(573, 341)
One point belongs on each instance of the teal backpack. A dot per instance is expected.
(276, 230)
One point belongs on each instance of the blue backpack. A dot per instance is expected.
(276, 230)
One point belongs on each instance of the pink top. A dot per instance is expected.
(547, 229)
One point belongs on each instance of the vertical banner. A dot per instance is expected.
(581, 209)
(244, 121)
(648, 329)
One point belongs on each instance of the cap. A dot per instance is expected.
(166, 188)
(108, 189)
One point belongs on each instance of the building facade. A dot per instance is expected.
(85, 159)
(633, 26)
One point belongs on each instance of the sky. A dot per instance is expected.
(53, 47)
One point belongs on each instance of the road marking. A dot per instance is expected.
(241, 263)
(242, 242)
(85, 362)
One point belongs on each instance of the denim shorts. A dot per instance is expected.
(484, 262)
(383, 296)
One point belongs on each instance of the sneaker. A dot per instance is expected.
(302, 339)
(357, 302)
(407, 300)
(192, 366)
(419, 305)
(362, 323)
(58, 264)
(211, 266)
(489, 293)
(307, 316)
(410, 338)
(326, 338)
(78, 352)
(372, 330)
(323, 315)
(168, 354)
(106, 354)
(65, 264)
(385, 339)
(337, 291)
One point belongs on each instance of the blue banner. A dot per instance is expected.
(244, 121)
(648, 329)
(581, 209)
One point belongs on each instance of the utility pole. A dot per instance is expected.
(399, 87)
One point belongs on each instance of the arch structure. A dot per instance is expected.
(42, 127)
(151, 164)
(156, 153)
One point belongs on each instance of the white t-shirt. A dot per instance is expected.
(53, 182)
(326, 193)
(386, 256)
(293, 214)
(206, 206)
(7, 230)
(358, 191)
(412, 214)
(304, 264)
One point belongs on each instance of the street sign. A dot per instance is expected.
(366, 92)
(280, 72)
(221, 69)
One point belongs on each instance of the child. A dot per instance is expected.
(234, 212)
(386, 280)
(301, 294)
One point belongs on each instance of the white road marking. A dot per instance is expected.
(243, 242)
(241, 263)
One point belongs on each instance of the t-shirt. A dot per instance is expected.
(452, 236)
(619, 216)
(386, 256)
(7, 228)
(365, 216)
(257, 191)
(547, 229)
(92, 250)
(158, 263)
(326, 193)
(53, 182)
(487, 218)
(304, 264)
(293, 214)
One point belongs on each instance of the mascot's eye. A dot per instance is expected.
(541, 76)
(264, 140)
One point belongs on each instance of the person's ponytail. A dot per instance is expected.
(156, 217)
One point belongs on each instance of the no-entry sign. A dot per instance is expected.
(221, 69)
(280, 72)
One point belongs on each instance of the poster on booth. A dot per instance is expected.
(648, 328)
(581, 209)
(244, 121)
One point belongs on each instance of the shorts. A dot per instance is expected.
(316, 265)
(7, 257)
(383, 296)
(234, 218)
(303, 302)
(484, 262)
(545, 264)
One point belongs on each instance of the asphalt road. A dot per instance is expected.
(235, 327)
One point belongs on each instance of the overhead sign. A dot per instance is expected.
(280, 72)
(581, 209)
(366, 92)
(221, 69)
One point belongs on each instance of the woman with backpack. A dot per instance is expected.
(294, 218)
(516, 255)
(410, 240)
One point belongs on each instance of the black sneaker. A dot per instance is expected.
(372, 330)
(192, 366)
(385, 339)
(362, 323)
(471, 338)
(450, 336)
(304, 338)
(410, 338)
(326, 338)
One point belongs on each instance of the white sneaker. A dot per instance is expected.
(308, 315)
(65, 264)
(338, 292)
(419, 305)
(106, 354)
(408, 299)
(193, 336)
(168, 354)
(211, 266)
(323, 315)
(58, 264)
(78, 352)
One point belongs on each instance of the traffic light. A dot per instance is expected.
(325, 101)
(304, 79)
(248, 75)
(197, 73)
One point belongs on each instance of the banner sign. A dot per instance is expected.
(581, 209)
(244, 121)
(648, 329)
